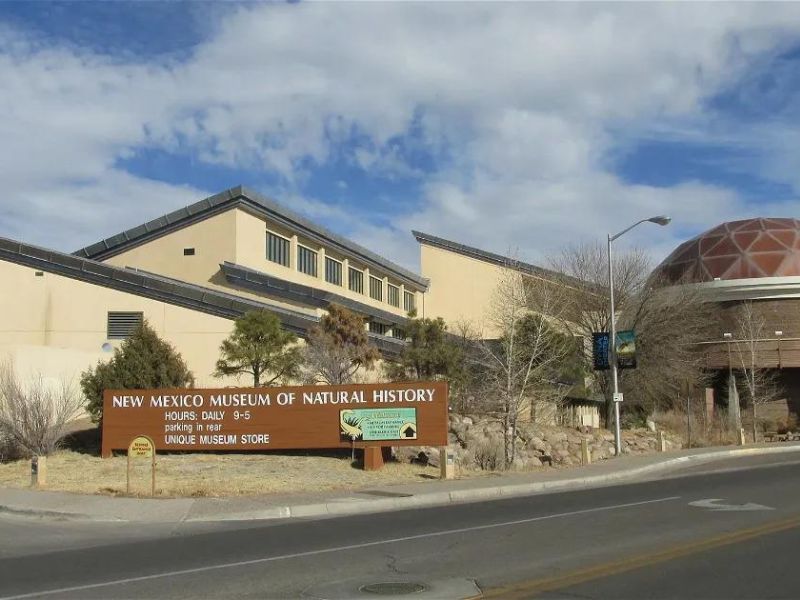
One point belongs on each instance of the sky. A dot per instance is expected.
(514, 127)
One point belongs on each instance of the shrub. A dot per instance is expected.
(488, 454)
(34, 417)
(143, 361)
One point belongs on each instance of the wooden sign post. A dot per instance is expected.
(142, 446)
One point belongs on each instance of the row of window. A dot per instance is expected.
(278, 249)
(382, 329)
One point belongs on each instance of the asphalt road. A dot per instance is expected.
(641, 540)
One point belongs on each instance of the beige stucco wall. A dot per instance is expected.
(463, 290)
(54, 365)
(57, 312)
(461, 287)
(214, 241)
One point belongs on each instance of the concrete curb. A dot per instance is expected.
(436, 498)
(485, 493)
(54, 515)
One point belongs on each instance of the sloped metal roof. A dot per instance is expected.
(497, 259)
(273, 286)
(261, 205)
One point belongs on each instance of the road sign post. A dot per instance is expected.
(142, 446)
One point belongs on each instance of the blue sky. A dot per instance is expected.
(513, 127)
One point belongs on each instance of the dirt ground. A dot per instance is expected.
(211, 474)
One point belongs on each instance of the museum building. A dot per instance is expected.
(190, 273)
(756, 261)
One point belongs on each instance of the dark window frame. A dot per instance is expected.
(282, 247)
(409, 301)
(359, 277)
(307, 260)
(333, 268)
(372, 289)
(393, 299)
(378, 328)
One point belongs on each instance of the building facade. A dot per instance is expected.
(190, 273)
(754, 261)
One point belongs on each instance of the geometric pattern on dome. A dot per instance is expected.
(737, 250)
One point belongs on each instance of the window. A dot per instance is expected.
(408, 301)
(278, 249)
(333, 271)
(375, 327)
(393, 295)
(306, 261)
(356, 280)
(375, 288)
(398, 333)
(188, 251)
(121, 325)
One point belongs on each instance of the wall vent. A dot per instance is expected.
(122, 324)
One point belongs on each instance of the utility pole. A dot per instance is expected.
(617, 397)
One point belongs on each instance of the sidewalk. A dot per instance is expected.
(66, 506)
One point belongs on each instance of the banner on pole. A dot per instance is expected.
(625, 349)
(600, 349)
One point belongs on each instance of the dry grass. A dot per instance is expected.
(705, 432)
(211, 474)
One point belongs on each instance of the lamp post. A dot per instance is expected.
(659, 220)
(734, 414)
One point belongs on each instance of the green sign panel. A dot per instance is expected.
(626, 349)
(372, 424)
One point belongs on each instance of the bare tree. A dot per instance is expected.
(761, 383)
(520, 367)
(587, 309)
(669, 320)
(33, 416)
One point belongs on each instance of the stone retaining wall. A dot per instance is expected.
(479, 444)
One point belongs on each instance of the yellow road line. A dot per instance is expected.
(527, 589)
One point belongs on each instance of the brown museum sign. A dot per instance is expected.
(278, 418)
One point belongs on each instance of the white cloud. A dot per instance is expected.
(520, 102)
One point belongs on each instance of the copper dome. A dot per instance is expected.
(737, 250)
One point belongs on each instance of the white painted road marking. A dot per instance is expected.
(256, 561)
(716, 505)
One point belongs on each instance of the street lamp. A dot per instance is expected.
(659, 220)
